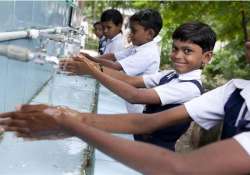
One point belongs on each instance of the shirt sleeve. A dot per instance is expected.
(208, 109)
(177, 93)
(244, 141)
(136, 64)
(122, 54)
(153, 80)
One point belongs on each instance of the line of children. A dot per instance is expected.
(193, 43)
(229, 103)
(143, 58)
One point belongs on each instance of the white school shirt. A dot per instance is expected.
(174, 92)
(140, 60)
(208, 110)
(115, 44)
(137, 61)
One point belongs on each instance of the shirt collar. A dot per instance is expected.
(102, 38)
(245, 86)
(192, 75)
(119, 35)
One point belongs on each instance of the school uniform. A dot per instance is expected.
(229, 104)
(115, 44)
(102, 45)
(137, 61)
(140, 60)
(173, 89)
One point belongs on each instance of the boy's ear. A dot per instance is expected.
(207, 56)
(151, 33)
(120, 25)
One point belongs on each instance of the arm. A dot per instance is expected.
(82, 66)
(127, 91)
(108, 56)
(223, 158)
(123, 89)
(107, 60)
(109, 63)
(33, 119)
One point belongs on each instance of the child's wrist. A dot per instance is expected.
(100, 67)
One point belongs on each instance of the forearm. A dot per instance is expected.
(223, 158)
(121, 123)
(143, 157)
(108, 56)
(136, 123)
(110, 64)
(136, 81)
(122, 89)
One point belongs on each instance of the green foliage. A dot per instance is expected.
(91, 44)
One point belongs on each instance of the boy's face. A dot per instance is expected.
(187, 56)
(110, 30)
(98, 30)
(139, 35)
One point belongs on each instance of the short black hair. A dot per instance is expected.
(149, 19)
(198, 33)
(112, 15)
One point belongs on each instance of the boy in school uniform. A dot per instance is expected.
(143, 58)
(193, 44)
(112, 20)
(229, 104)
(98, 30)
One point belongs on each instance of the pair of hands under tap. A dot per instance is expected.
(78, 65)
(40, 121)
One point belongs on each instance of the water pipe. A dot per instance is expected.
(30, 33)
(24, 54)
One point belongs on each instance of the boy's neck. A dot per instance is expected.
(144, 43)
(188, 71)
(115, 36)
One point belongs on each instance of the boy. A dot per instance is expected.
(230, 156)
(142, 59)
(112, 20)
(98, 30)
(193, 43)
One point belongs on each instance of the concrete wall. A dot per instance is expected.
(20, 81)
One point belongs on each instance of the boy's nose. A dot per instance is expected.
(178, 54)
(105, 30)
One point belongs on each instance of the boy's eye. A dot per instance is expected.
(187, 51)
(174, 49)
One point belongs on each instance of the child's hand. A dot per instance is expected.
(81, 67)
(83, 54)
(38, 121)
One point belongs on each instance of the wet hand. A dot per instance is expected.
(83, 54)
(79, 66)
(37, 120)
